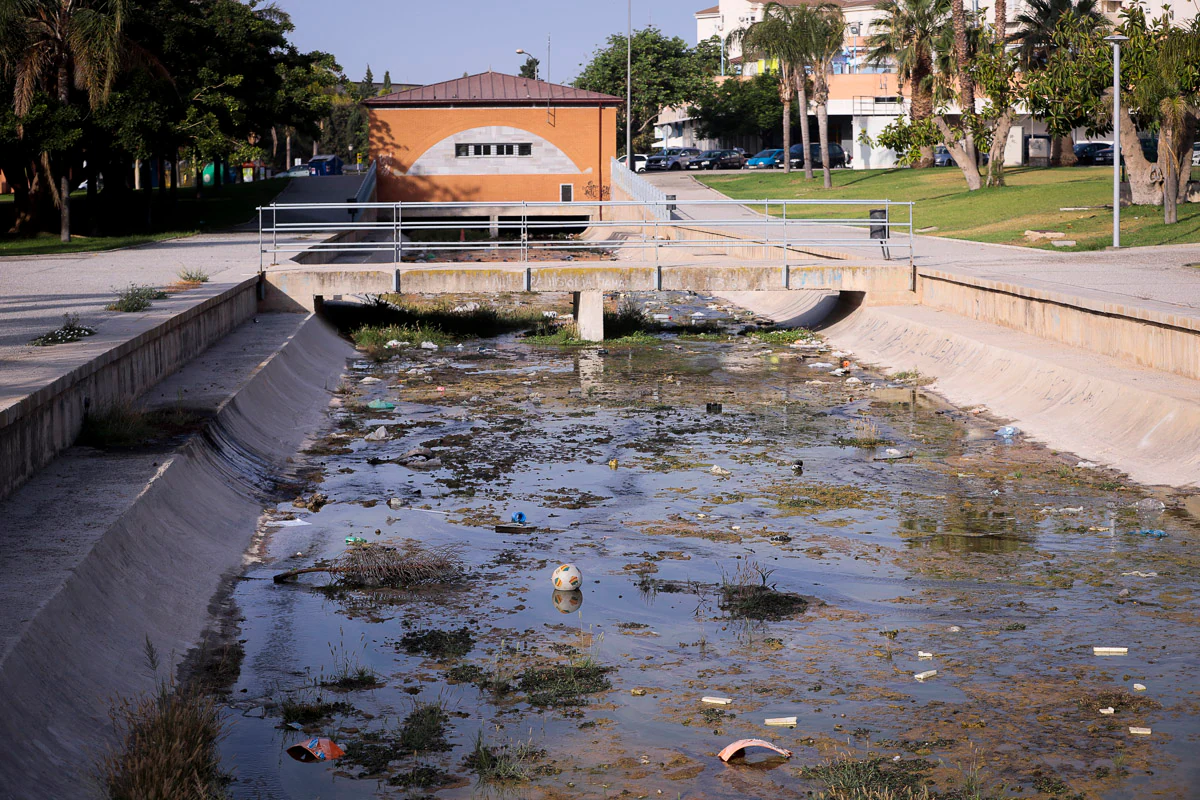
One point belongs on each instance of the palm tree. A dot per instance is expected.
(905, 37)
(779, 37)
(1035, 39)
(54, 46)
(825, 38)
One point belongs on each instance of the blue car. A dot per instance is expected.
(766, 159)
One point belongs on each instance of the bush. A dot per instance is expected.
(71, 331)
(135, 298)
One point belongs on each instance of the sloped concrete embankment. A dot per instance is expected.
(153, 574)
(1142, 421)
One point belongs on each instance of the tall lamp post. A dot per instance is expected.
(629, 159)
(523, 52)
(1116, 40)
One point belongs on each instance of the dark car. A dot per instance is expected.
(672, 158)
(717, 159)
(837, 156)
(1086, 153)
(1104, 156)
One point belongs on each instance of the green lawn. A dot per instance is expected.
(216, 210)
(1031, 200)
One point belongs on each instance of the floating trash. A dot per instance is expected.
(378, 435)
(717, 701)
(720, 471)
(316, 749)
(1155, 532)
(1140, 731)
(922, 676)
(1109, 710)
(1110, 651)
(518, 517)
(355, 540)
(1008, 432)
(741, 744)
(780, 722)
(567, 577)
(380, 405)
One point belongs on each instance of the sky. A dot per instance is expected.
(426, 41)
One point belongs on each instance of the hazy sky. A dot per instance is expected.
(426, 41)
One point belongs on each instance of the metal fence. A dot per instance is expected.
(776, 231)
(638, 188)
(365, 192)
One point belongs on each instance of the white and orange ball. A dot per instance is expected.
(567, 578)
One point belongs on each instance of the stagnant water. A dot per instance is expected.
(1005, 561)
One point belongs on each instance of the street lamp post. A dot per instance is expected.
(629, 159)
(1116, 40)
(523, 52)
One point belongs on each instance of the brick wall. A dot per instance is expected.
(576, 141)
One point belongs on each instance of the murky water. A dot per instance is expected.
(1004, 561)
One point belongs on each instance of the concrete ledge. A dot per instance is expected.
(1143, 422)
(103, 371)
(153, 574)
(1143, 334)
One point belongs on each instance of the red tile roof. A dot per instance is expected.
(712, 10)
(494, 88)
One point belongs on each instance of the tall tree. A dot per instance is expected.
(825, 37)
(1034, 37)
(906, 32)
(387, 82)
(965, 79)
(666, 73)
(779, 38)
(530, 68)
(54, 46)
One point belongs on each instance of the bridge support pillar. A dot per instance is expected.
(589, 315)
(494, 226)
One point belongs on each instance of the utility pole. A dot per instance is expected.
(1116, 40)
(629, 162)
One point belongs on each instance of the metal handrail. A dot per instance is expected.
(784, 225)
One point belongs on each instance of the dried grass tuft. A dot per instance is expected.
(410, 566)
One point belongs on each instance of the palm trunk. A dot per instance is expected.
(1062, 151)
(64, 201)
(921, 109)
(802, 91)
(288, 148)
(966, 84)
(823, 135)
(1168, 162)
(786, 90)
(995, 173)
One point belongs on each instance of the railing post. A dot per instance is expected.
(524, 231)
(397, 234)
(260, 250)
(274, 234)
(785, 245)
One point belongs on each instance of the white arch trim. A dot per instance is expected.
(546, 157)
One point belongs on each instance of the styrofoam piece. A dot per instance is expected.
(1110, 651)
(929, 673)
(717, 701)
(921, 654)
(288, 523)
(1109, 710)
(1140, 731)
(1139, 687)
(780, 721)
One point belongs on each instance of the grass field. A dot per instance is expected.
(187, 215)
(1033, 199)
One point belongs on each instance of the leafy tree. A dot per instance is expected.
(737, 108)
(906, 34)
(666, 73)
(780, 38)
(387, 83)
(1035, 42)
(530, 68)
(55, 47)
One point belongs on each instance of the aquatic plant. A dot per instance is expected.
(747, 595)
(438, 643)
(504, 763)
(368, 566)
(309, 711)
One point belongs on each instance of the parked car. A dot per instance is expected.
(717, 159)
(672, 158)
(1104, 156)
(1086, 153)
(766, 159)
(300, 171)
(942, 157)
(837, 156)
(639, 162)
(1196, 154)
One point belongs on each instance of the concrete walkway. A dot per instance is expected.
(35, 291)
(1150, 277)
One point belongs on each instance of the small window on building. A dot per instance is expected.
(471, 150)
(566, 193)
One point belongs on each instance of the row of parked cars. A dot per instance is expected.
(681, 158)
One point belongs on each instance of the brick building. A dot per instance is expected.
(493, 137)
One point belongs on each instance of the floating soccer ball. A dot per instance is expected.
(567, 577)
(567, 602)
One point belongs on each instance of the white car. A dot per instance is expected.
(1196, 154)
(639, 162)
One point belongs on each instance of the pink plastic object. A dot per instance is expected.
(741, 744)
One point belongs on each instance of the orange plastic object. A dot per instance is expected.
(316, 749)
(741, 744)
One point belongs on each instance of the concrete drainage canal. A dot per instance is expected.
(766, 541)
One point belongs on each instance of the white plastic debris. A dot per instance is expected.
(1086, 465)
(839, 372)
(717, 701)
(661, 317)
(921, 676)
(820, 365)
(1138, 687)
(1149, 504)
(1140, 731)
(954, 629)
(1109, 710)
(852, 380)
(377, 435)
(720, 471)
(924, 656)
(780, 721)
(1139, 574)
(428, 346)
(1007, 432)
(288, 523)
(1110, 651)
(370, 379)
(550, 314)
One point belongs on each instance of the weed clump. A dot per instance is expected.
(70, 331)
(308, 712)
(848, 777)
(374, 566)
(820, 497)
(135, 298)
(783, 336)
(424, 729)
(563, 685)
(747, 595)
(439, 644)
(1118, 699)
(421, 776)
(502, 764)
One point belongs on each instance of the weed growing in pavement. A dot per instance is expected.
(69, 331)
(135, 298)
(193, 275)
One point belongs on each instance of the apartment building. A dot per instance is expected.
(863, 97)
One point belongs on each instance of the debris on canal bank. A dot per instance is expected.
(380, 565)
